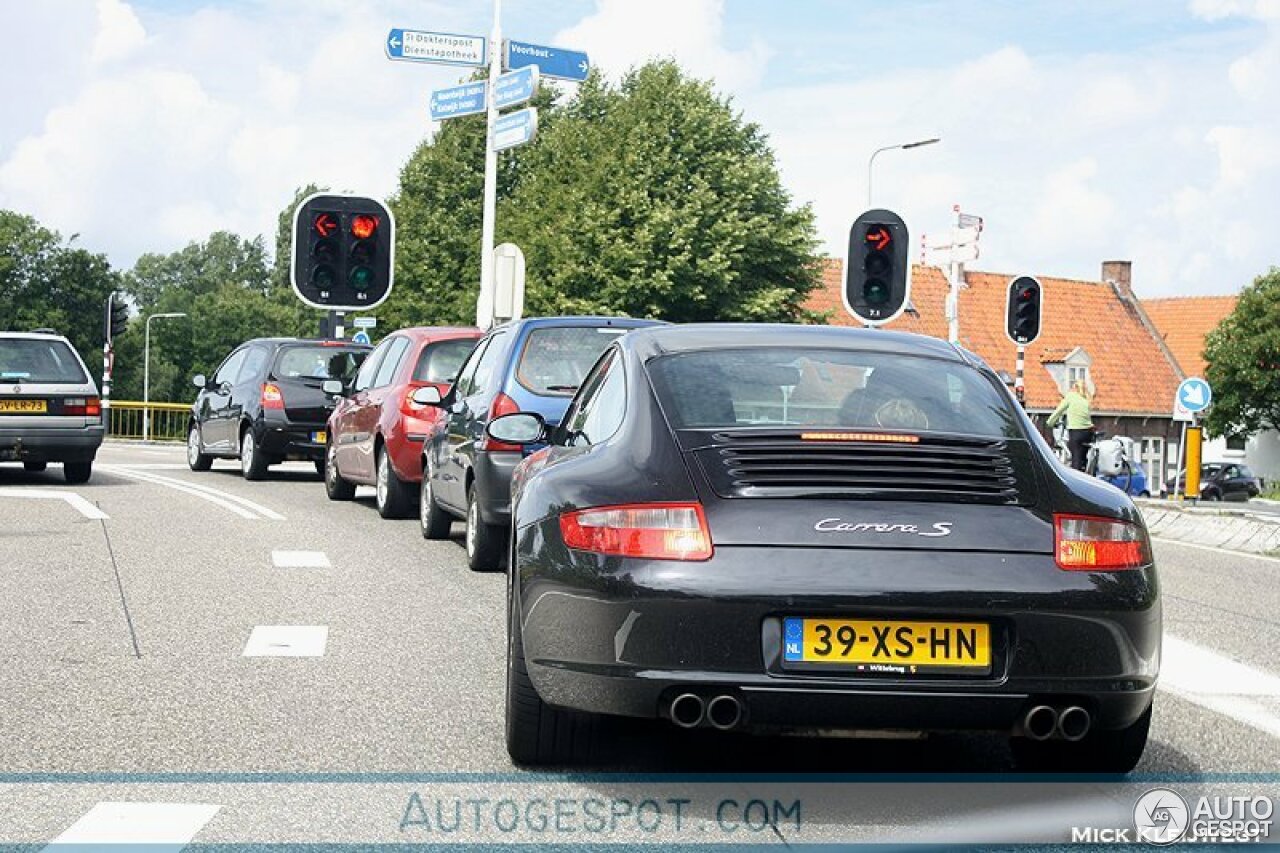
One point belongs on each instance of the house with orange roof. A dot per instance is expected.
(1097, 331)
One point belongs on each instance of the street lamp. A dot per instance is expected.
(904, 146)
(146, 375)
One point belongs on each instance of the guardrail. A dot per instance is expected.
(168, 420)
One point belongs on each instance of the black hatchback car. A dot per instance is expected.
(805, 528)
(266, 403)
(1220, 481)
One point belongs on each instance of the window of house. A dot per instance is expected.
(1077, 374)
(1236, 442)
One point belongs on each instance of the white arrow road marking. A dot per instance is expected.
(286, 641)
(170, 824)
(1223, 685)
(299, 560)
(73, 500)
(242, 507)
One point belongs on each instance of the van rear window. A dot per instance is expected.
(34, 360)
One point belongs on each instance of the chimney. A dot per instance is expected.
(1120, 272)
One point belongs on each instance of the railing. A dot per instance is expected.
(168, 420)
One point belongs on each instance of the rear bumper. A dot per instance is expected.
(74, 444)
(290, 440)
(493, 472)
(625, 637)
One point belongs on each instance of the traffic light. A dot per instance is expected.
(1023, 309)
(877, 273)
(117, 316)
(343, 252)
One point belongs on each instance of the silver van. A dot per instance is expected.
(50, 410)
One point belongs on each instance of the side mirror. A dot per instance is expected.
(427, 395)
(517, 428)
(199, 381)
(332, 387)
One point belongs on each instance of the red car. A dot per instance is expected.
(376, 431)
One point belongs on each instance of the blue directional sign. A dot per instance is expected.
(1194, 394)
(551, 61)
(467, 99)
(515, 128)
(361, 337)
(516, 87)
(439, 48)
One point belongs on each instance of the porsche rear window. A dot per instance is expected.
(44, 361)
(828, 388)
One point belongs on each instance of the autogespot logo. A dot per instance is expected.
(1161, 816)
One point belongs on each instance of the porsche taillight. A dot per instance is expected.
(657, 531)
(502, 405)
(1084, 543)
(272, 397)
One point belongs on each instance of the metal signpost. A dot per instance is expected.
(959, 246)
(527, 62)
(1194, 396)
(508, 290)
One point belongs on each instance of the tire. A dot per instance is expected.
(1117, 751)
(77, 472)
(393, 496)
(484, 541)
(1144, 494)
(319, 463)
(253, 462)
(335, 487)
(537, 733)
(35, 467)
(196, 460)
(1212, 496)
(433, 520)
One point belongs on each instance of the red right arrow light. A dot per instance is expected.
(880, 237)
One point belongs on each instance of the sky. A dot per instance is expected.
(1147, 130)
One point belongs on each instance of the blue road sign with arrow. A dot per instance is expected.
(467, 99)
(551, 61)
(516, 87)
(1194, 394)
(515, 128)
(361, 337)
(441, 48)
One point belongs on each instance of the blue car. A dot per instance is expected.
(1132, 481)
(530, 365)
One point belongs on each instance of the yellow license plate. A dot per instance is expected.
(882, 645)
(319, 437)
(24, 407)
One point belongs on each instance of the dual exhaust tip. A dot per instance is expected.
(1044, 722)
(689, 710)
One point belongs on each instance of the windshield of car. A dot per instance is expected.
(828, 388)
(319, 362)
(37, 360)
(555, 360)
(442, 360)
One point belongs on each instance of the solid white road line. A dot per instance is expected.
(151, 466)
(242, 507)
(1226, 551)
(299, 560)
(169, 824)
(1223, 685)
(286, 641)
(73, 500)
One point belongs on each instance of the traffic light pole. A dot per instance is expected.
(484, 303)
(1019, 389)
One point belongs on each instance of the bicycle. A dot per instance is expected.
(1118, 467)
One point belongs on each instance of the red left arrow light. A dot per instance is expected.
(325, 224)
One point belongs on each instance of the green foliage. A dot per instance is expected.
(1243, 355)
(46, 283)
(651, 198)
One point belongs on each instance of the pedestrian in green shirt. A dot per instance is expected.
(1075, 405)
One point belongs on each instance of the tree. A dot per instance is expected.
(1243, 356)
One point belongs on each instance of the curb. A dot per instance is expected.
(1250, 533)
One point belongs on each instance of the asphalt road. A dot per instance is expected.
(129, 704)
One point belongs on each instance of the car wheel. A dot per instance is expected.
(536, 732)
(434, 521)
(1144, 494)
(319, 463)
(392, 495)
(1212, 496)
(77, 472)
(196, 459)
(35, 467)
(335, 487)
(253, 462)
(484, 541)
(1117, 751)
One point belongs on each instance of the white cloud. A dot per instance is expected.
(624, 33)
(120, 32)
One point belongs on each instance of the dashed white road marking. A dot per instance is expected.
(76, 502)
(286, 641)
(299, 560)
(242, 507)
(1222, 685)
(170, 824)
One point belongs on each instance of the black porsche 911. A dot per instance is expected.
(805, 529)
